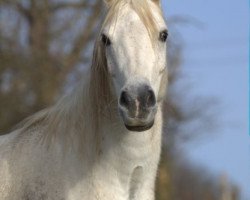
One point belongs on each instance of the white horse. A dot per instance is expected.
(103, 141)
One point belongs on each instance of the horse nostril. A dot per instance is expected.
(151, 101)
(124, 99)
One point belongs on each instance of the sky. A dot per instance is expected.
(215, 63)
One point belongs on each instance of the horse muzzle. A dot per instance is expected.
(137, 106)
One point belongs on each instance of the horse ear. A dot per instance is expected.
(158, 2)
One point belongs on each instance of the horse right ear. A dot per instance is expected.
(157, 2)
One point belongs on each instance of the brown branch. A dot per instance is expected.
(18, 7)
(77, 5)
(67, 25)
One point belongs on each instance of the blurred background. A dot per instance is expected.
(45, 46)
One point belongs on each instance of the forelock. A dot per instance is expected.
(143, 10)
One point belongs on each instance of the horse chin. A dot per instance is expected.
(140, 128)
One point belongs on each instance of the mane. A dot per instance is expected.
(83, 111)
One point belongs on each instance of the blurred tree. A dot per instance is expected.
(44, 45)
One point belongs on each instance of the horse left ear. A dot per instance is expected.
(158, 2)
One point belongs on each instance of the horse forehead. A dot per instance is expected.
(129, 29)
(132, 40)
(127, 23)
(130, 17)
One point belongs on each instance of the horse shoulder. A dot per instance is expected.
(18, 167)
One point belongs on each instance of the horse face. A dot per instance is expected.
(137, 64)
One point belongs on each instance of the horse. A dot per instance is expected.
(103, 140)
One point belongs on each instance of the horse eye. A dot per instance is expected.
(105, 40)
(163, 36)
